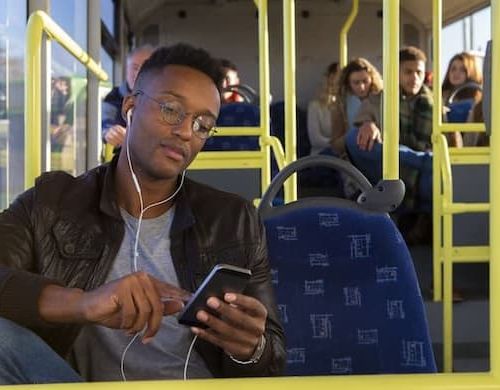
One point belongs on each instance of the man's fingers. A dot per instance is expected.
(168, 291)
(128, 311)
(156, 313)
(228, 346)
(172, 306)
(249, 304)
(239, 312)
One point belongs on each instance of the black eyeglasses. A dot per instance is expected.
(174, 113)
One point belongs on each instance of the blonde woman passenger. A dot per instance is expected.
(319, 112)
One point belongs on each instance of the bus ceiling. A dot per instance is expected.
(139, 11)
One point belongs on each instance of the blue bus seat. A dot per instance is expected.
(346, 288)
(235, 114)
(277, 113)
(459, 111)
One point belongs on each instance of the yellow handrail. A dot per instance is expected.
(250, 159)
(264, 90)
(437, 22)
(494, 192)
(39, 23)
(290, 98)
(343, 46)
(390, 146)
(277, 149)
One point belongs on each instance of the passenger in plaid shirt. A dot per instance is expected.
(415, 126)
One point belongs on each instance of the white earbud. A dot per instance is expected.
(129, 117)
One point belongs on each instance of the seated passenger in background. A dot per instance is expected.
(231, 78)
(80, 280)
(319, 121)
(476, 115)
(462, 70)
(358, 82)
(113, 124)
(364, 144)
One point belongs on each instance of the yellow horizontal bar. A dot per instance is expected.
(235, 131)
(470, 254)
(228, 160)
(465, 381)
(463, 127)
(461, 208)
(469, 155)
(470, 150)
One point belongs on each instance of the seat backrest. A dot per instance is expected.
(459, 111)
(277, 112)
(347, 292)
(345, 284)
(235, 114)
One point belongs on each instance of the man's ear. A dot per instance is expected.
(127, 105)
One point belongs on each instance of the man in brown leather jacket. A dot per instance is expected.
(63, 242)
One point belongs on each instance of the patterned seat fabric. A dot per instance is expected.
(235, 115)
(347, 292)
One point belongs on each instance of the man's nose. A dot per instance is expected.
(184, 129)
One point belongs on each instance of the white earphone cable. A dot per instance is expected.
(135, 267)
(189, 356)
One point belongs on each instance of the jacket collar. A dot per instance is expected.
(183, 217)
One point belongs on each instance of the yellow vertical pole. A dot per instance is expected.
(390, 166)
(290, 99)
(448, 293)
(264, 90)
(343, 47)
(494, 195)
(33, 102)
(437, 207)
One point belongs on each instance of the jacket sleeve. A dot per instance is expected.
(20, 286)
(368, 112)
(339, 129)
(272, 362)
(109, 113)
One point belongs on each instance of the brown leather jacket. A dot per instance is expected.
(68, 231)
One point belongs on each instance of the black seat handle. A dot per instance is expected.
(386, 196)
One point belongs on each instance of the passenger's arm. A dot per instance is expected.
(112, 133)
(368, 134)
(339, 129)
(20, 285)
(316, 137)
(132, 303)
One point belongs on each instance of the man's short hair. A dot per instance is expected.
(225, 63)
(411, 53)
(182, 54)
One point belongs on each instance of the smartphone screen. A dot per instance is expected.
(222, 279)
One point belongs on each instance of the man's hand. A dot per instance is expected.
(368, 134)
(115, 135)
(239, 327)
(133, 303)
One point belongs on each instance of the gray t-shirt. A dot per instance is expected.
(98, 349)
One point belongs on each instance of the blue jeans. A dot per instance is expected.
(370, 164)
(25, 358)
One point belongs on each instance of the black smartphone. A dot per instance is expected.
(223, 278)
